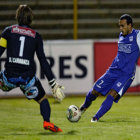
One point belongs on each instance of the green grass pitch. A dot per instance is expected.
(20, 120)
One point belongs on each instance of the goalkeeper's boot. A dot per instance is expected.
(94, 119)
(50, 126)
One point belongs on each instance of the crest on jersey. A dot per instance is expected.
(131, 38)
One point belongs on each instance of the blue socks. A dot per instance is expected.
(89, 98)
(106, 105)
(45, 110)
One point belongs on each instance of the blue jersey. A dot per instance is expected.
(128, 53)
(121, 73)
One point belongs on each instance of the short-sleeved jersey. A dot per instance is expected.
(22, 42)
(128, 53)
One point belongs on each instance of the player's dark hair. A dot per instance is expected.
(128, 19)
(24, 15)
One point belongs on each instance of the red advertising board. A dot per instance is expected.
(104, 53)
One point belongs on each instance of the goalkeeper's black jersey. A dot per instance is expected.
(22, 43)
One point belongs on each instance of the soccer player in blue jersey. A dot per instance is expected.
(119, 76)
(21, 43)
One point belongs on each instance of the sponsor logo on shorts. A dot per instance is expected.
(119, 84)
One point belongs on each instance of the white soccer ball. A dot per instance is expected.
(73, 113)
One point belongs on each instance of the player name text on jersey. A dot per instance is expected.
(19, 61)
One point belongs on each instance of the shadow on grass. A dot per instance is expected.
(116, 121)
(48, 133)
(26, 131)
(56, 102)
(72, 132)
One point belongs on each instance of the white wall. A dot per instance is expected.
(76, 70)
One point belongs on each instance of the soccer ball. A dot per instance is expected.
(73, 113)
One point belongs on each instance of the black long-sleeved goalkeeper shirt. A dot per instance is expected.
(22, 43)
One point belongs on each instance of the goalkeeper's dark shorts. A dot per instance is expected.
(30, 86)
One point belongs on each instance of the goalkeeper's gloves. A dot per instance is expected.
(57, 90)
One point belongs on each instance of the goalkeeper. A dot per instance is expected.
(22, 42)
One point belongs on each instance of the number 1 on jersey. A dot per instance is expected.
(22, 39)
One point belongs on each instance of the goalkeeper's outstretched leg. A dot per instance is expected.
(45, 111)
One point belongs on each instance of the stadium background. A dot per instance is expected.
(80, 38)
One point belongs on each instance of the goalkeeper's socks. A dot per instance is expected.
(89, 98)
(106, 105)
(45, 110)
